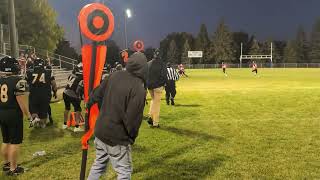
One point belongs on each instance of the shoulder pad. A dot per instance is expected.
(21, 85)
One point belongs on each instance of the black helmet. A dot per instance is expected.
(156, 53)
(9, 65)
(168, 64)
(78, 70)
(119, 67)
(39, 64)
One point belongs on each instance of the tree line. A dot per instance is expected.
(37, 26)
(224, 45)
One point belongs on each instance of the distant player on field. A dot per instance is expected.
(254, 68)
(181, 70)
(224, 68)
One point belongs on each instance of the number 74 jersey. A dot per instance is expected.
(10, 87)
(40, 79)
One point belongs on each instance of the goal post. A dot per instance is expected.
(256, 57)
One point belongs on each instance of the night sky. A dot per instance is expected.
(153, 19)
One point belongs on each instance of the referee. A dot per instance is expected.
(170, 87)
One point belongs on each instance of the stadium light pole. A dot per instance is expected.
(126, 17)
(13, 30)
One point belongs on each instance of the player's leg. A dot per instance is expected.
(167, 88)
(67, 107)
(173, 92)
(4, 146)
(77, 108)
(33, 107)
(13, 151)
(4, 154)
(16, 136)
(50, 115)
(43, 112)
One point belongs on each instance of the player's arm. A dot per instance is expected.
(22, 97)
(80, 90)
(54, 87)
(23, 103)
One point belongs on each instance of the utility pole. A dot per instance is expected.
(2, 50)
(13, 30)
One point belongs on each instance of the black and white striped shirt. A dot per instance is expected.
(172, 74)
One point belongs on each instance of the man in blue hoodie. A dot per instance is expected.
(122, 96)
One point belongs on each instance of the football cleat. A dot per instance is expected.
(78, 129)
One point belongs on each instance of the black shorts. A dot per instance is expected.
(39, 104)
(76, 103)
(11, 122)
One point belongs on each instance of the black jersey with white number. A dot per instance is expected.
(39, 80)
(10, 87)
(73, 82)
(74, 87)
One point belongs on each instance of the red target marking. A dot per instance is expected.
(138, 46)
(96, 22)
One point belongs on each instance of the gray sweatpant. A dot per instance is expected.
(120, 157)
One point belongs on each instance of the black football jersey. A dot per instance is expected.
(73, 82)
(10, 87)
(39, 80)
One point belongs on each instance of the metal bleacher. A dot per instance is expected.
(62, 66)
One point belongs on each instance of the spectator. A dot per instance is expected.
(157, 77)
(122, 95)
(172, 77)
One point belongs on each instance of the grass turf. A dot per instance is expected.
(235, 127)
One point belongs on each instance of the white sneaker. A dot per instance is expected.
(78, 129)
(64, 126)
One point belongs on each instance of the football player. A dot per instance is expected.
(182, 71)
(13, 105)
(73, 95)
(224, 68)
(54, 95)
(40, 81)
(254, 68)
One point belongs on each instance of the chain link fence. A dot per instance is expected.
(260, 65)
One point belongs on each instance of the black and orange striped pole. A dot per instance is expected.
(96, 23)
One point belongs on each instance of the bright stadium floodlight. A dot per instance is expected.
(128, 12)
(127, 16)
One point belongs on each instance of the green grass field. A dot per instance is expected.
(235, 127)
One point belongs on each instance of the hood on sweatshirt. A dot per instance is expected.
(137, 65)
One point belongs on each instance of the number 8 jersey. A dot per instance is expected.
(10, 87)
